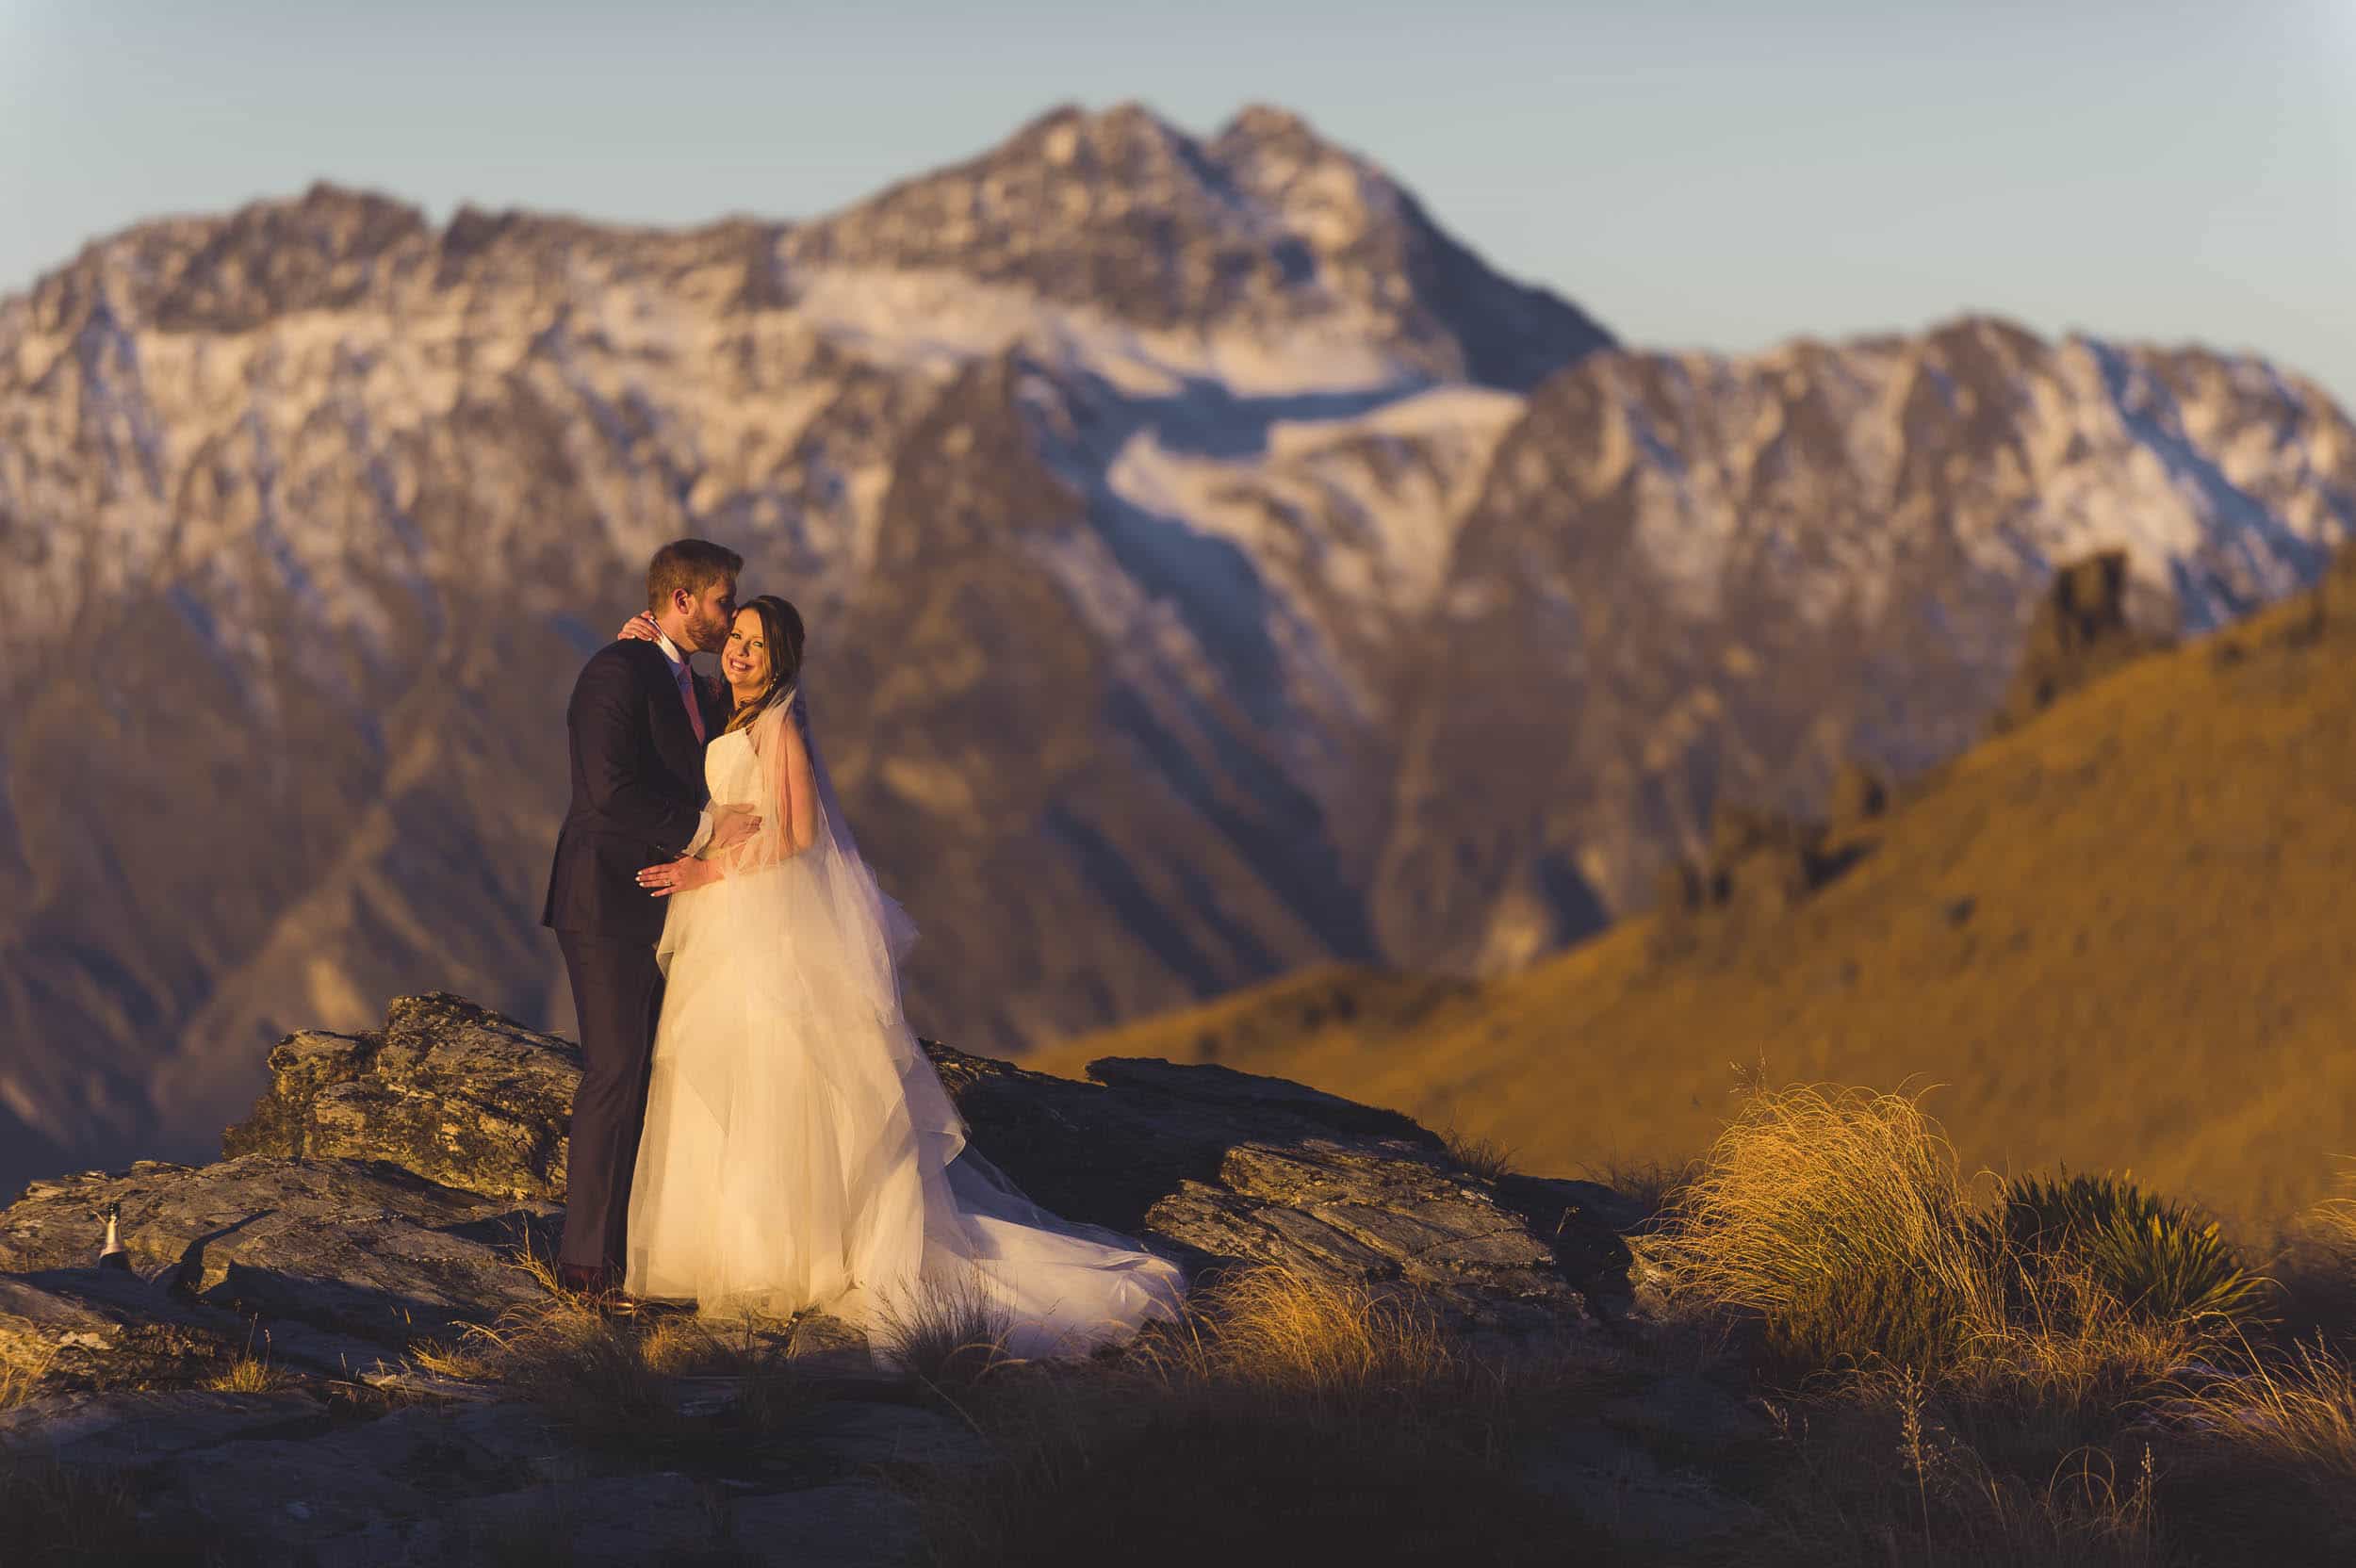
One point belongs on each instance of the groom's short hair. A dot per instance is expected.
(694, 564)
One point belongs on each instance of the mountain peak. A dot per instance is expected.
(1126, 136)
(1267, 228)
(1268, 130)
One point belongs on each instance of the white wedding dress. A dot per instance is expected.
(800, 1149)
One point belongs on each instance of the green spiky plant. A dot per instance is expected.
(2155, 1257)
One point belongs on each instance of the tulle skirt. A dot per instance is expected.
(800, 1150)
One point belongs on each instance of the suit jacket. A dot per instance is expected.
(638, 791)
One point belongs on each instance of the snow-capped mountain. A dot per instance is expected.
(1212, 567)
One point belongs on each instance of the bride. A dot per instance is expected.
(799, 1150)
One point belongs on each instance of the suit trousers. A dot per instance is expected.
(617, 997)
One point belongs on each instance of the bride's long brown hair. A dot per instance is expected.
(781, 630)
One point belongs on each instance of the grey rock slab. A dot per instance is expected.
(1234, 1166)
(861, 1432)
(96, 1329)
(849, 1525)
(1616, 1483)
(624, 1521)
(132, 1431)
(423, 1485)
(1386, 1216)
(296, 1502)
(361, 1248)
(1689, 1410)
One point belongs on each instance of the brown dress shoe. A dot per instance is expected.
(587, 1278)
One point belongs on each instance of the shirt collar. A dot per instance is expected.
(670, 651)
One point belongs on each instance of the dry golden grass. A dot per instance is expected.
(614, 1376)
(20, 1381)
(1839, 1219)
(2156, 968)
(1655, 1186)
(57, 1516)
(2334, 1220)
(1877, 1482)
(1480, 1156)
(2293, 1412)
(1304, 1341)
(248, 1375)
(950, 1334)
(1955, 1398)
(1288, 1418)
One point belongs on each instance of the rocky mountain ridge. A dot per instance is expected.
(1214, 570)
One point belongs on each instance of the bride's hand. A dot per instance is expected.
(638, 628)
(684, 875)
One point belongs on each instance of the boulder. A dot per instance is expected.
(451, 1091)
(1214, 1166)
(137, 1430)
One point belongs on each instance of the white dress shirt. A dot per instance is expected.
(679, 668)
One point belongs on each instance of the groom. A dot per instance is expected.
(638, 721)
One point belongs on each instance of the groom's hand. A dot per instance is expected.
(732, 825)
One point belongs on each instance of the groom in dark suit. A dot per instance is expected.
(638, 721)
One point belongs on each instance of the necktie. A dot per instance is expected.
(687, 695)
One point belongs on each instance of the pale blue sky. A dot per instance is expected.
(1694, 173)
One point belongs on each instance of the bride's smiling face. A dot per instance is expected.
(744, 658)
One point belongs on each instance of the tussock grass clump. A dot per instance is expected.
(2041, 1371)
(2331, 1223)
(949, 1335)
(1303, 1340)
(1482, 1157)
(588, 1371)
(2264, 1447)
(20, 1381)
(1838, 1217)
(2315, 1265)
(248, 1375)
(1655, 1186)
(2293, 1412)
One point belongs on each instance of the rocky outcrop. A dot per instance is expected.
(388, 1188)
(1759, 867)
(2083, 629)
(358, 1248)
(450, 1123)
(447, 1090)
(252, 1376)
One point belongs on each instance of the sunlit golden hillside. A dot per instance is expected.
(2122, 934)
